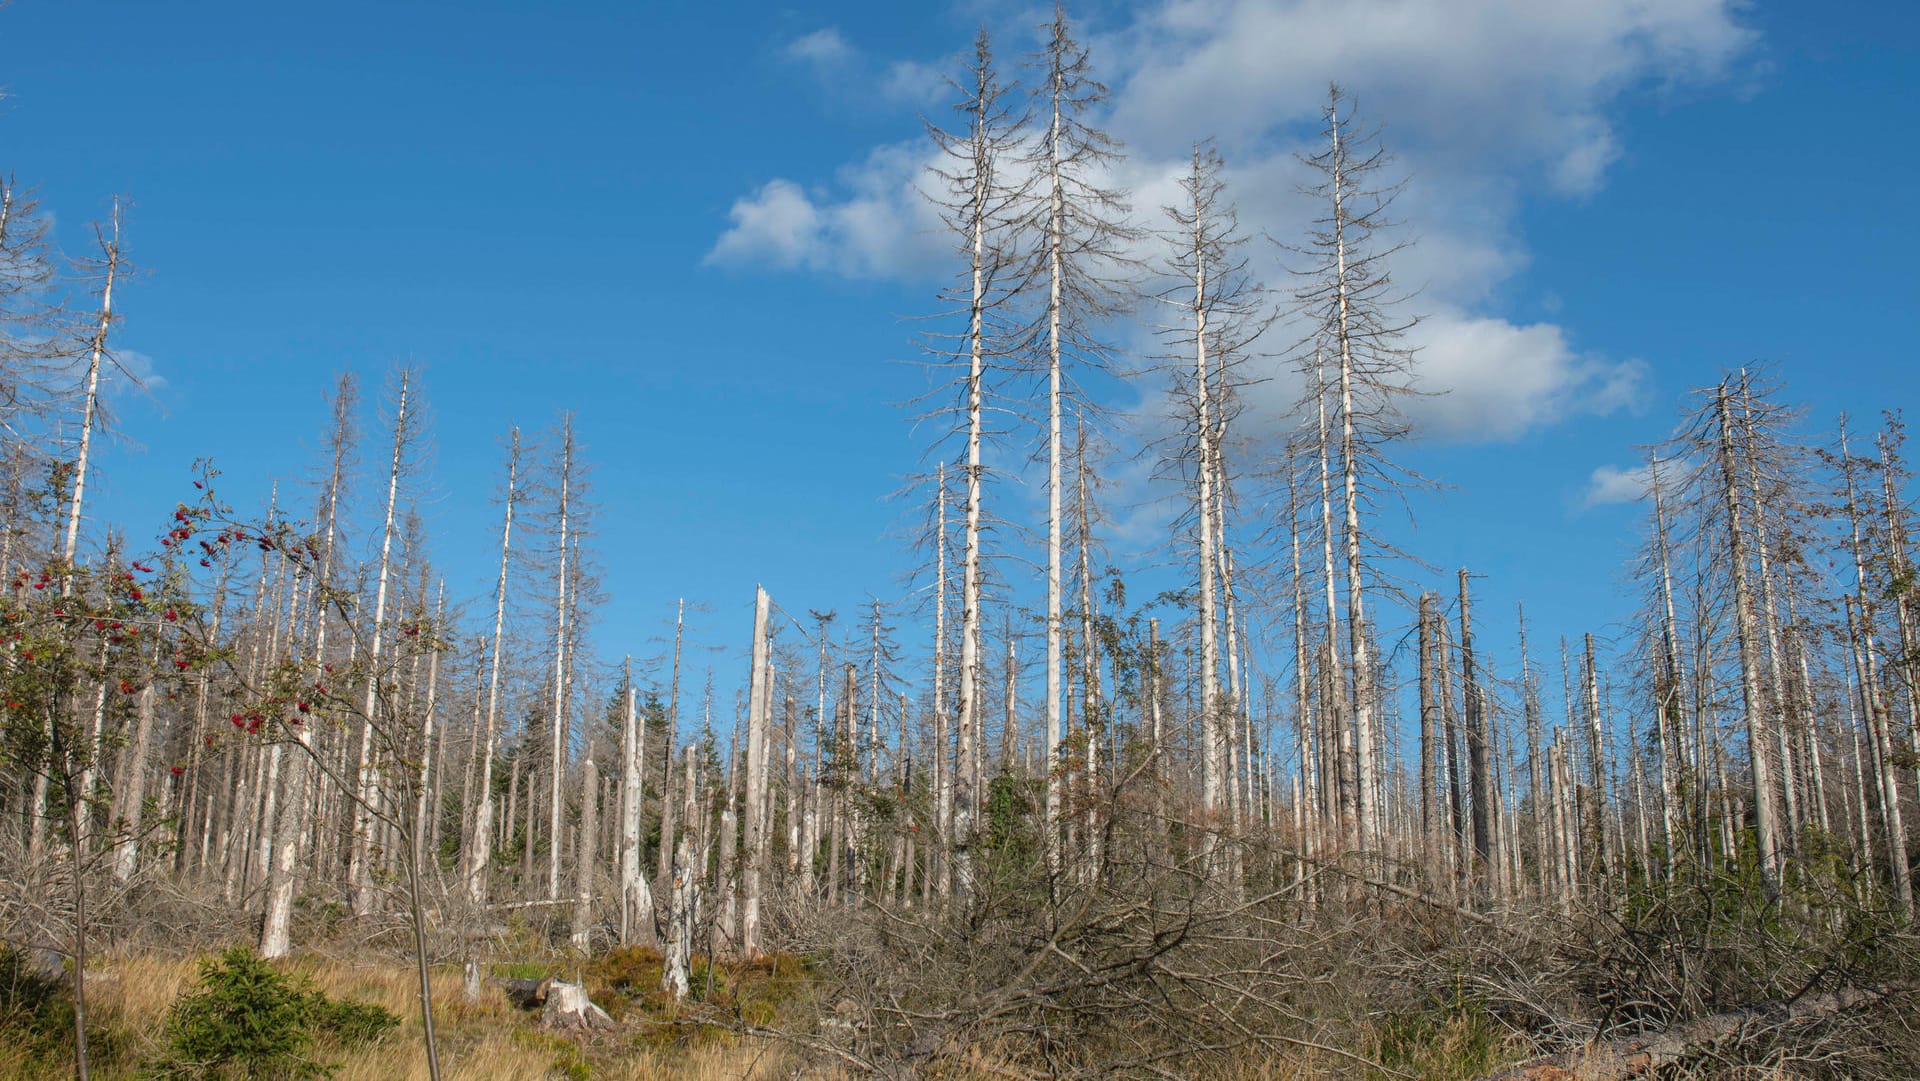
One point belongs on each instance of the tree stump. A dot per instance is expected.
(568, 1007)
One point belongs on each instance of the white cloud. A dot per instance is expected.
(823, 48)
(1491, 380)
(777, 224)
(1483, 102)
(915, 84)
(1500, 83)
(876, 226)
(1612, 484)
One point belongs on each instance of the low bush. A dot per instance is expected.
(247, 1019)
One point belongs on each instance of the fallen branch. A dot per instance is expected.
(1640, 1056)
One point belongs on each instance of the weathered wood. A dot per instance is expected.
(568, 1007)
(526, 994)
(1641, 1056)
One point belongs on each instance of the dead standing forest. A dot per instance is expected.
(1282, 818)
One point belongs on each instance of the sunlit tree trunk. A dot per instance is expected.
(479, 845)
(636, 900)
(759, 716)
(1747, 633)
(557, 719)
(366, 774)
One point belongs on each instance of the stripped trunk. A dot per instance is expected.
(1745, 629)
(367, 772)
(636, 900)
(759, 718)
(479, 848)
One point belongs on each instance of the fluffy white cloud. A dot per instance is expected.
(1491, 380)
(868, 227)
(1483, 102)
(777, 224)
(1612, 484)
(914, 83)
(822, 48)
(1493, 84)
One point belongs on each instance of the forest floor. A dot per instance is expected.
(741, 1021)
(130, 997)
(131, 994)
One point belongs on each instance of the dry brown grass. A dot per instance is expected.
(484, 1041)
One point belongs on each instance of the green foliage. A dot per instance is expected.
(1010, 848)
(36, 1014)
(31, 1004)
(623, 977)
(521, 970)
(247, 1019)
(351, 1023)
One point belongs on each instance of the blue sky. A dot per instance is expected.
(695, 229)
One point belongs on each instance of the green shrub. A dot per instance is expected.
(351, 1023)
(31, 1005)
(36, 1014)
(247, 1019)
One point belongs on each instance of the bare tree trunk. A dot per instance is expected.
(1753, 703)
(1429, 742)
(133, 790)
(1092, 707)
(685, 883)
(1366, 770)
(97, 352)
(1530, 706)
(1010, 723)
(1596, 809)
(423, 802)
(636, 900)
(1672, 755)
(759, 716)
(1770, 624)
(479, 847)
(359, 878)
(1333, 709)
(943, 876)
(960, 824)
(1055, 242)
(1306, 727)
(665, 872)
(727, 870)
(585, 856)
(1486, 840)
(1861, 637)
(1213, 764)
(558, 725)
